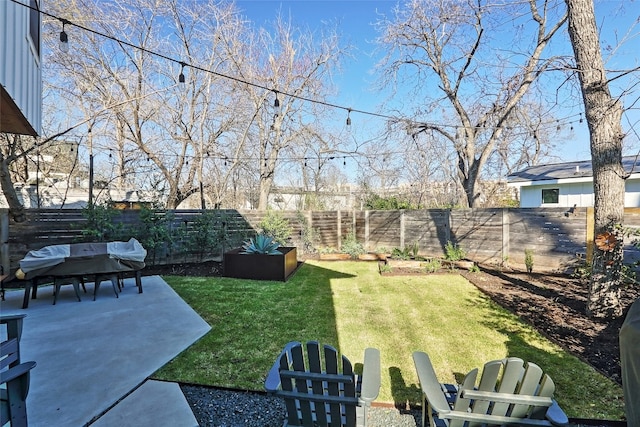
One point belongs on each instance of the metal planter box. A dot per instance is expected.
(260, 266)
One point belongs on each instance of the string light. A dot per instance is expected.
(181, 78)
(64, 38)
(276, 104)
(64, 46)
(348, 119)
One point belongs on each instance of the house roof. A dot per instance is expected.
(569, 170)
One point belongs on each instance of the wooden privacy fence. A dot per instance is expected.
(556, 236)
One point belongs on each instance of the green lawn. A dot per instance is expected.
(350, 306)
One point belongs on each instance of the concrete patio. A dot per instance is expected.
(94, 357)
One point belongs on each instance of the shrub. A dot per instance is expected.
(453, 252)
(100, 225)
(401, 253)
(154, 232)
(206, 235)
(432, 265)
(310, 235)
(276, 226)
(351, 246)
(528, 259)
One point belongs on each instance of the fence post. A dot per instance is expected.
(505, 235)
(402, 229)
(4, 240)
(339, 229)
(366, 230)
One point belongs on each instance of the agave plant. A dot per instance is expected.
(262, 244)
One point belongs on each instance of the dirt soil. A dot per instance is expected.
(554, 304)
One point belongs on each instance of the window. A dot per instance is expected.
(34, 25)
(550, 195)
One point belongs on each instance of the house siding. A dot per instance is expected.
(20, 71)
(579, 194)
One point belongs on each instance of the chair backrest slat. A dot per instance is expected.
(528, 386)
(333, 388)
(301, 385)
(462, 404)
(317, 386)
(511, 376)
(9, 353)
(488, 381)
(349, 390)
(287, 385)
(546, 389)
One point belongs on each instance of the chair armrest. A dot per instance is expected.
(5, 318)
(520, 399)
(16, 372)
(429, 383)
(556, 415)
(272, 382)
(370, 375)
(472, 417)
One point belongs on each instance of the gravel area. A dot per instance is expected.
(214, 407)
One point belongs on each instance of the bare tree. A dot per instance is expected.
(479, 85)
(603, 114)
(165, 126)
(285, 67)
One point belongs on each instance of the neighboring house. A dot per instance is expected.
(58, 195)
(569, 184)
(20, 67)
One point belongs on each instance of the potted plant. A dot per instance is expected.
(260, 258)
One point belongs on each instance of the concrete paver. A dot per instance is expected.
(92, 354)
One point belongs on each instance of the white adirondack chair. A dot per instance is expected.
(510, 392)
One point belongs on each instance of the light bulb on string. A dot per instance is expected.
(276, 104)
(349, 120)
(64, 38)
(181, 78)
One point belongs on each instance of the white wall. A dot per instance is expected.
(575, 194)
(632, 193)
(20, 71)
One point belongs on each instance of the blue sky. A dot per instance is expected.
(354, 18)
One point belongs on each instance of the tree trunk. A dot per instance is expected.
(603, 117)
(16, 210)
(265, 190)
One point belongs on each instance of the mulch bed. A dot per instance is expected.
(555, 305)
